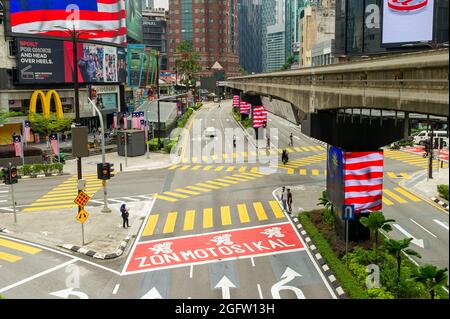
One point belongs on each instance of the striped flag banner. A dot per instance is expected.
(235, 100)
(26, 131)
(245, 107)
(363, 180)
(114, 123)
(142, 120)
(259, 116)
(101, 20)
(125, 120)
(134, 118)
(54, 144)
(17, 141)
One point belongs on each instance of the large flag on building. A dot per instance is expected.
(244, 107)
(17, 141)
(355, 178)
(26, 131)
(54, 144)
(102, 20)
(259, 116)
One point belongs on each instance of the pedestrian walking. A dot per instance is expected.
(125, 213)
(284, 198)
(289, 200)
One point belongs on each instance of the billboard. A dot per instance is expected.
(406, 21)
(134, 19)
(51, 61)
(97, 20)
(135, 64)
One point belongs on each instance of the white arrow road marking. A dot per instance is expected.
(228, 120)
(225, 284)
(445, 225)
(288, 275)
(275, 137)
(65, 293)
(116, 288)
(423, 228)
(297, 137)
(415, 241)
(152, 294)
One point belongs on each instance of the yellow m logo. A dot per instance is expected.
(46, 100)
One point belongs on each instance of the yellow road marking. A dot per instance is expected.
(394, 196)
(298, 149)
(180, 190)
(230, 169)
(244, 176)
(185, 167)
(207, 218)
(391, 175)
(198, 189)
(16, 246)
(196, 167)
(387, 201)
(290, 150)
(176, 195)
(166, 198)
(225, 215)
(407, 194)
(9, 257)
(169, 227)
(151, 225)
(217, 183)
(189, 220)
(276, 209)
(226, 181)
(235, 179)
(36, 209)
(260, 212)
(207, 168)
(303, 172)
(405, 175)
(242, 169)
(315, 172)
(173, 167)
(205, 185)
(306, 149)
(243, 214)
(218, 168)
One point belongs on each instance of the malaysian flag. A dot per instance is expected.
(142, 120)
(114, 123)
(363, 180)
(125, 120)
(26, 131)
(101, 20)
(235, 100)
(54, 144)
(244, 107)
(259, 116)
(17, 141)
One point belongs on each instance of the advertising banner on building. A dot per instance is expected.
(51, 61)
(101, 20)
(135, 64)
(134, 19)
(407, 21)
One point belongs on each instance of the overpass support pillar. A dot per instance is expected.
(407, 126)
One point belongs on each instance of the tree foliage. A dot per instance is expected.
(376, 222)
(5, 115)
(289, 61)
(50, 124)
(431, 277)
(187, 62)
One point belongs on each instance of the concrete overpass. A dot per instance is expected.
(410, 82)
(362, 104)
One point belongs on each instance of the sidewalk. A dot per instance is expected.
(89, 164)
(304, 198)
(425, 187)
(103, 231)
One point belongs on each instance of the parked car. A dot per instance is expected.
(421, 137)
(210, 132)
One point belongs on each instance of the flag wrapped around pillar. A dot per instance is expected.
(17, 141)
(26, 131)
(244, 107)
(133, 120)
(259, 116)
(125, 121)
(235, 100)
(142, 118)
(114, 122)
(54, 144)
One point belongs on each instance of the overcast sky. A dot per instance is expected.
(162, 4)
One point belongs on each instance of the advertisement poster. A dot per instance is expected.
(122, 65)
(40, 60)
(105, 20)
(135, 64)
(407, 21)
(134, 19)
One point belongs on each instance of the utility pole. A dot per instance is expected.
(431, 153)
(157, 90)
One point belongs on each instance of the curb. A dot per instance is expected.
(317, 141)
(332, 281)
(97, 255)
(43, 176)
(4, 230)
(440, 202)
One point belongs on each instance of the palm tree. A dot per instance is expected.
(396, 247)
(324, 201)
(376, 222)
(431, 277)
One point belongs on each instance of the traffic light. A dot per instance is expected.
(122, 138)
(100, 171)
(6, 176)
(104, 171)
(13, 177)
(111, 170)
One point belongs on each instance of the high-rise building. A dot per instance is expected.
(211, 27)
(154, 29)
(292, 28)
(250, 35)
(273, 38)
(148, 4)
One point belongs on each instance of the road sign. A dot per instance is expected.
(348, 212)
(82, 199)
(82, 216)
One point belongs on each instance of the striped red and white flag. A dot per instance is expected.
(259, 116)
(245, 107)
(363, 180)
(235, 100)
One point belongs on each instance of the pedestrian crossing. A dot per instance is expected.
(210, 185)
(395, 175)
(412, 159)
(11, 251)
(291, 166)
(242, 156)
(207, 218)
(63, 195)
(4, 196)
(398, 195)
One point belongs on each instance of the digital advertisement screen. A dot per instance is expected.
(406, 21)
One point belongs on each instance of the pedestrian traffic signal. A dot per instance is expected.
(13, 177)
(122, 138)
(6, 176)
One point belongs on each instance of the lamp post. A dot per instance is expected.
(157, 90)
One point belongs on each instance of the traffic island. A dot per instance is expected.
(104, 235)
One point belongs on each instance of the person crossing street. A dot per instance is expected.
(125, 213)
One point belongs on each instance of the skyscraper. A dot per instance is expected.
(211, 27)
(250, 35)
(148, 4)
(292, 26)
(273, 38)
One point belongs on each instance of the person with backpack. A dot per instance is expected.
(125, 213)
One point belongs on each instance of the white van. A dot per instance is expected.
(421, 137)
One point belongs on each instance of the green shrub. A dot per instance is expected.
(46, 168)
(443, 191)
(185, 118)
(328, 217)
(379, 293)
(170, 145)
(57, 167)
(36, 168)
(26, 169)
(153, 145)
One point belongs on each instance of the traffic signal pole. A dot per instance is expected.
(12, 197)
(105, 209)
